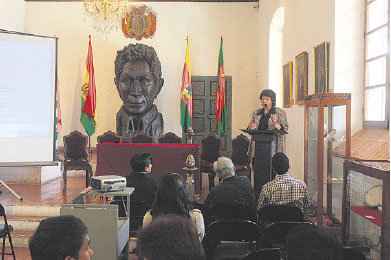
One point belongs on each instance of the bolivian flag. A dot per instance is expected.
(186, 93)
(88, 95)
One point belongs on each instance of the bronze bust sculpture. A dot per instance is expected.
(138, 78)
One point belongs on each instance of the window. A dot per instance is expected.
(377, 61)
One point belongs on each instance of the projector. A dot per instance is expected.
(108, 183)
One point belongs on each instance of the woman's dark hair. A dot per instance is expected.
(171, 197)
(169, 237)
(272, 95)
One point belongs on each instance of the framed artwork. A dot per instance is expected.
(287, 84)
(301, 74)
(321, 59)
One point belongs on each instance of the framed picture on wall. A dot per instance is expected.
(321, 67)
(301, 73)
(287, 84)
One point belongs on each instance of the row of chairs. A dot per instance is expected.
(76, 155)
(281, 233)
(139, 137)
(266, 228)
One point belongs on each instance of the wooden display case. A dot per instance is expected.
(327, 119)
(370, 227)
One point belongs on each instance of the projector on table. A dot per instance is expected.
(108, 183)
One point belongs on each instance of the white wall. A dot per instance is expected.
(204, 23)
(349, 55)
(307, 23)
(246, 54)
(12, 14)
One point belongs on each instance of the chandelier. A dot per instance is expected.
(105, 14)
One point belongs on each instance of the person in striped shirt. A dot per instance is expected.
(283, 189)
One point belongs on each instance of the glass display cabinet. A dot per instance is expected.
(327, 129)
(366, 208)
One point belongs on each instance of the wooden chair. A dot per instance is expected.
(76, 155)
(109, 137)
(210, 152)
(239, 156)
(5, 231)
(169, 138)
(141, 137)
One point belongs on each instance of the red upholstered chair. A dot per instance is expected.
(76, 155)
(239, 155)
(210, 152)
(141, 137)
(109, 137)
(169, 138)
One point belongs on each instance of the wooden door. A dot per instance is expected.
(204, 110)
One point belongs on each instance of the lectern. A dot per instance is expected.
(262, 161)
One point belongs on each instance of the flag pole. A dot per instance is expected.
(89, 147)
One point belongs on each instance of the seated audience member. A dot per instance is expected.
(169, 237)
(144, 186)
(171, 198)
(232, 190)
(60, 238)
(283, 189)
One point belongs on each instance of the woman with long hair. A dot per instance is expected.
(171, 198)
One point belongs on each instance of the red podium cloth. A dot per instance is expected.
(373, 215)
(113, 159)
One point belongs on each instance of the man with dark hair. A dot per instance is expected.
(169, 237)
(144, 186)
(283, 189)
(138, 78)
(60, 238)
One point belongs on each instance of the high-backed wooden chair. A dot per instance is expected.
(210, 152)
(239, 156)
(108, 137)
(170, 138)
(141, 137)
(76, 155)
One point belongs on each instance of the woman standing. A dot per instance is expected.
(270, 117)
(171, 198)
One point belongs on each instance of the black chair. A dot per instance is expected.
(275, 234)
(264, 253)
(347, 253)
(5, 231)
(240, 157)
(76, 155)
(169, 138)
(108, 137)
(277, 213)
(307, 242)
(226, 211)
(210, 152)
(233, 230)
(141, 137)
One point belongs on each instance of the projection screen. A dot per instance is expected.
(28, 71)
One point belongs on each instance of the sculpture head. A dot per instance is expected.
(138, 77)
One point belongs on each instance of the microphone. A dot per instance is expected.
(265, 106)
